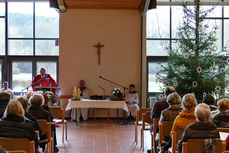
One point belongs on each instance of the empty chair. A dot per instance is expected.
(139, 121)
(58, 118)
(146, 122)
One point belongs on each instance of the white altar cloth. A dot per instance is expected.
(88, 103)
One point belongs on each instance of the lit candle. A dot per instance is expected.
(78, 96)
(74, 93)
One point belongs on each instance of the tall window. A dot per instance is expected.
(162, 24)
(29, 35)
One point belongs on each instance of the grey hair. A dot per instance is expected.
(36, 99)
(202, 112)
(189, 101)
(173, 98)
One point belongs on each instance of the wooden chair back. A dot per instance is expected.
(164, 131)
(139, 121)
(191, 146)
(153, 135)
(45, 128)
(226, 130)
(140, 112)
(56, 111)
(13, 144)
(16, 151)
(176, 136)
(146, 120)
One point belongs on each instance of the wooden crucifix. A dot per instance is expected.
(98, 46)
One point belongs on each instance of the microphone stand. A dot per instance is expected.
(124, 88)
(27, 88)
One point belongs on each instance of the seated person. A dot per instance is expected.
(82, 113)
(174, 109)
(44, 106)
(4, 100)
(187, 116)
(222, 119)
(36, 110)
(7, 89)
(13, 124)
(5, 86)
(171, 113)
(202, 129)
(25, 104)
(210, 101)
(161, 105)
(132, 101)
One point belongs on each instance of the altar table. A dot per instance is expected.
(88, 103)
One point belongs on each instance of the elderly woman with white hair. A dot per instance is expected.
(202, 129)
(37, 110)
(170, 114)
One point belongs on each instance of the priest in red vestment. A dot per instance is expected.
(43, 80)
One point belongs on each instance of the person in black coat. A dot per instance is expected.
(37, 110)
(14, 125)
(29, 118)
(202, 129)
(4, 100)
(222, 119)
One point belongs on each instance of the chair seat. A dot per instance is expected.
(58, 121)
(17, 151)
(43, 141)
(140, 123)
(147, 128)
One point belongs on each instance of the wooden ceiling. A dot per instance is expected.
(104, 4)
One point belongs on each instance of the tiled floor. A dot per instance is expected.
(100, 136)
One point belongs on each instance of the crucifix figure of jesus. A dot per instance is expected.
(98, 46)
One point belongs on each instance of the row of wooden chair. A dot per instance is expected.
(164, 131)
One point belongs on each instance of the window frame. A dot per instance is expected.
(158, 59)
(34, 67)
(6, 60)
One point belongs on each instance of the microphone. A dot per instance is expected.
(100, 77)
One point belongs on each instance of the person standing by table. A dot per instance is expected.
(132, 101)
(81, 112)
(43, 80)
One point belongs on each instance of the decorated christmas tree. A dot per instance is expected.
(194, 65)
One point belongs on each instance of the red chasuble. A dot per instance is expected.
(45, 82)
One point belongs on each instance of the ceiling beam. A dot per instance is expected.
(103, 4)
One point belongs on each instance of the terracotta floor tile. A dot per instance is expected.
(101, 136)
